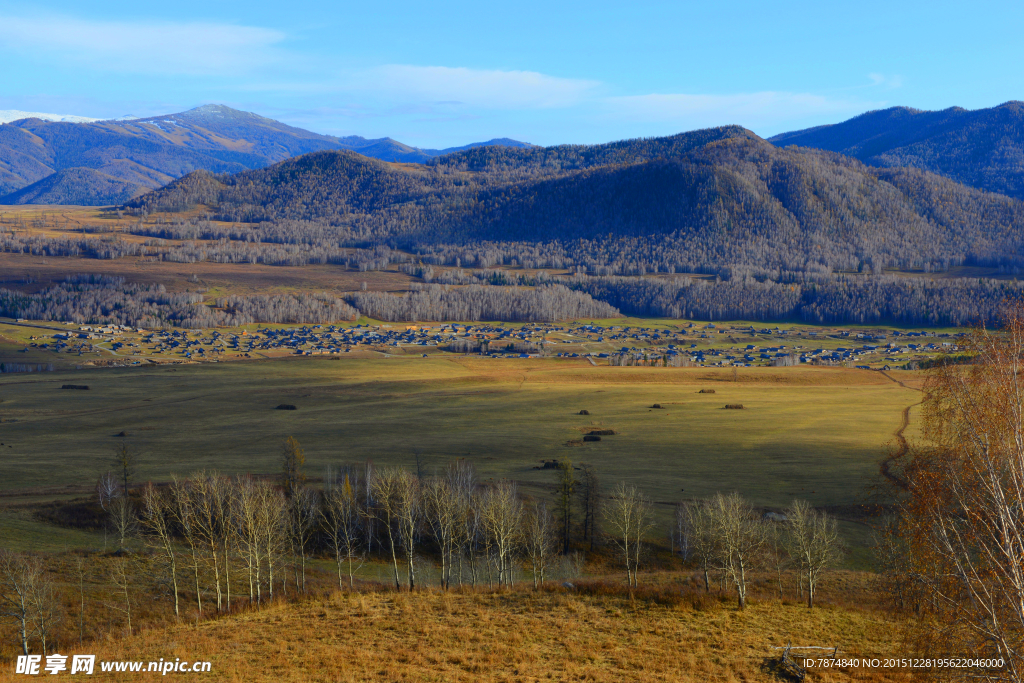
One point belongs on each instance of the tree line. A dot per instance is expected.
(536, 297)
(222, 542)
(847, 299)
(476, 302)
(110, 300)
(222, 250)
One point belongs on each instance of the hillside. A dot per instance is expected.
(147, 152)
(597, 634)
(982, 148)
(151, 152)
(79, 186)
(700, 201)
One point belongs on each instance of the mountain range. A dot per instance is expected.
(700, 201)
(105, 162)
(108, 162)
(8, 115)
(983, 148)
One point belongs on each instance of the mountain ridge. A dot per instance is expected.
(152, 151)
(699, 201)
(983, 148)
(76, 186)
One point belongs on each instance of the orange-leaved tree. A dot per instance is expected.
(954, 549)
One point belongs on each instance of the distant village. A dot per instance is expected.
(686, 345)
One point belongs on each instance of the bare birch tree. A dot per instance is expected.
(814, 542)
(186, 520)
(679, 532)
(247, 532)
(157, 521)
(340, 517)
(386, 491)
(122, 573)
(122, 519)
(271, 522)
(539, 539)
(222, 495)
(303, 513)
(442, 511)
(741, 540)
(703, 537)
(46, 613)
(19, 575)
(502, 518)
(461, 477)
(408, 513)
(107, 488)
(628, 513)
(209, 525)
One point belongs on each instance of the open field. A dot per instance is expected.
(31, 273)
(517, 635)
(813, 432)
(810, 432)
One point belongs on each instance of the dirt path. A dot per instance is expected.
(902, 447)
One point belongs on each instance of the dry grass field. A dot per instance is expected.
(811, 433)
(670, 632)
(219, 278)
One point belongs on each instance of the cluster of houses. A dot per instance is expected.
(689, 344)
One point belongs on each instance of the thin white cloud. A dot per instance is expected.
(763, 110)
(481, 88)
(889, 81)
(145, 47)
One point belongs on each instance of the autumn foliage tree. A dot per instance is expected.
(955, 547)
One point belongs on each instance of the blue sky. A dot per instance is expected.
(437, 74)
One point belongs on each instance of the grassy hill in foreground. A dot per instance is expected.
(671, 632)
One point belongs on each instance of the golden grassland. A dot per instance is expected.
(220, 279)
(670, 631)
(809, 433)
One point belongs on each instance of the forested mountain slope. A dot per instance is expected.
(146, 152)
(152, 152)
(982, 148)
(699, 201)
(76, 186)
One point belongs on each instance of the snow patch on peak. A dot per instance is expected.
(8, 115)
